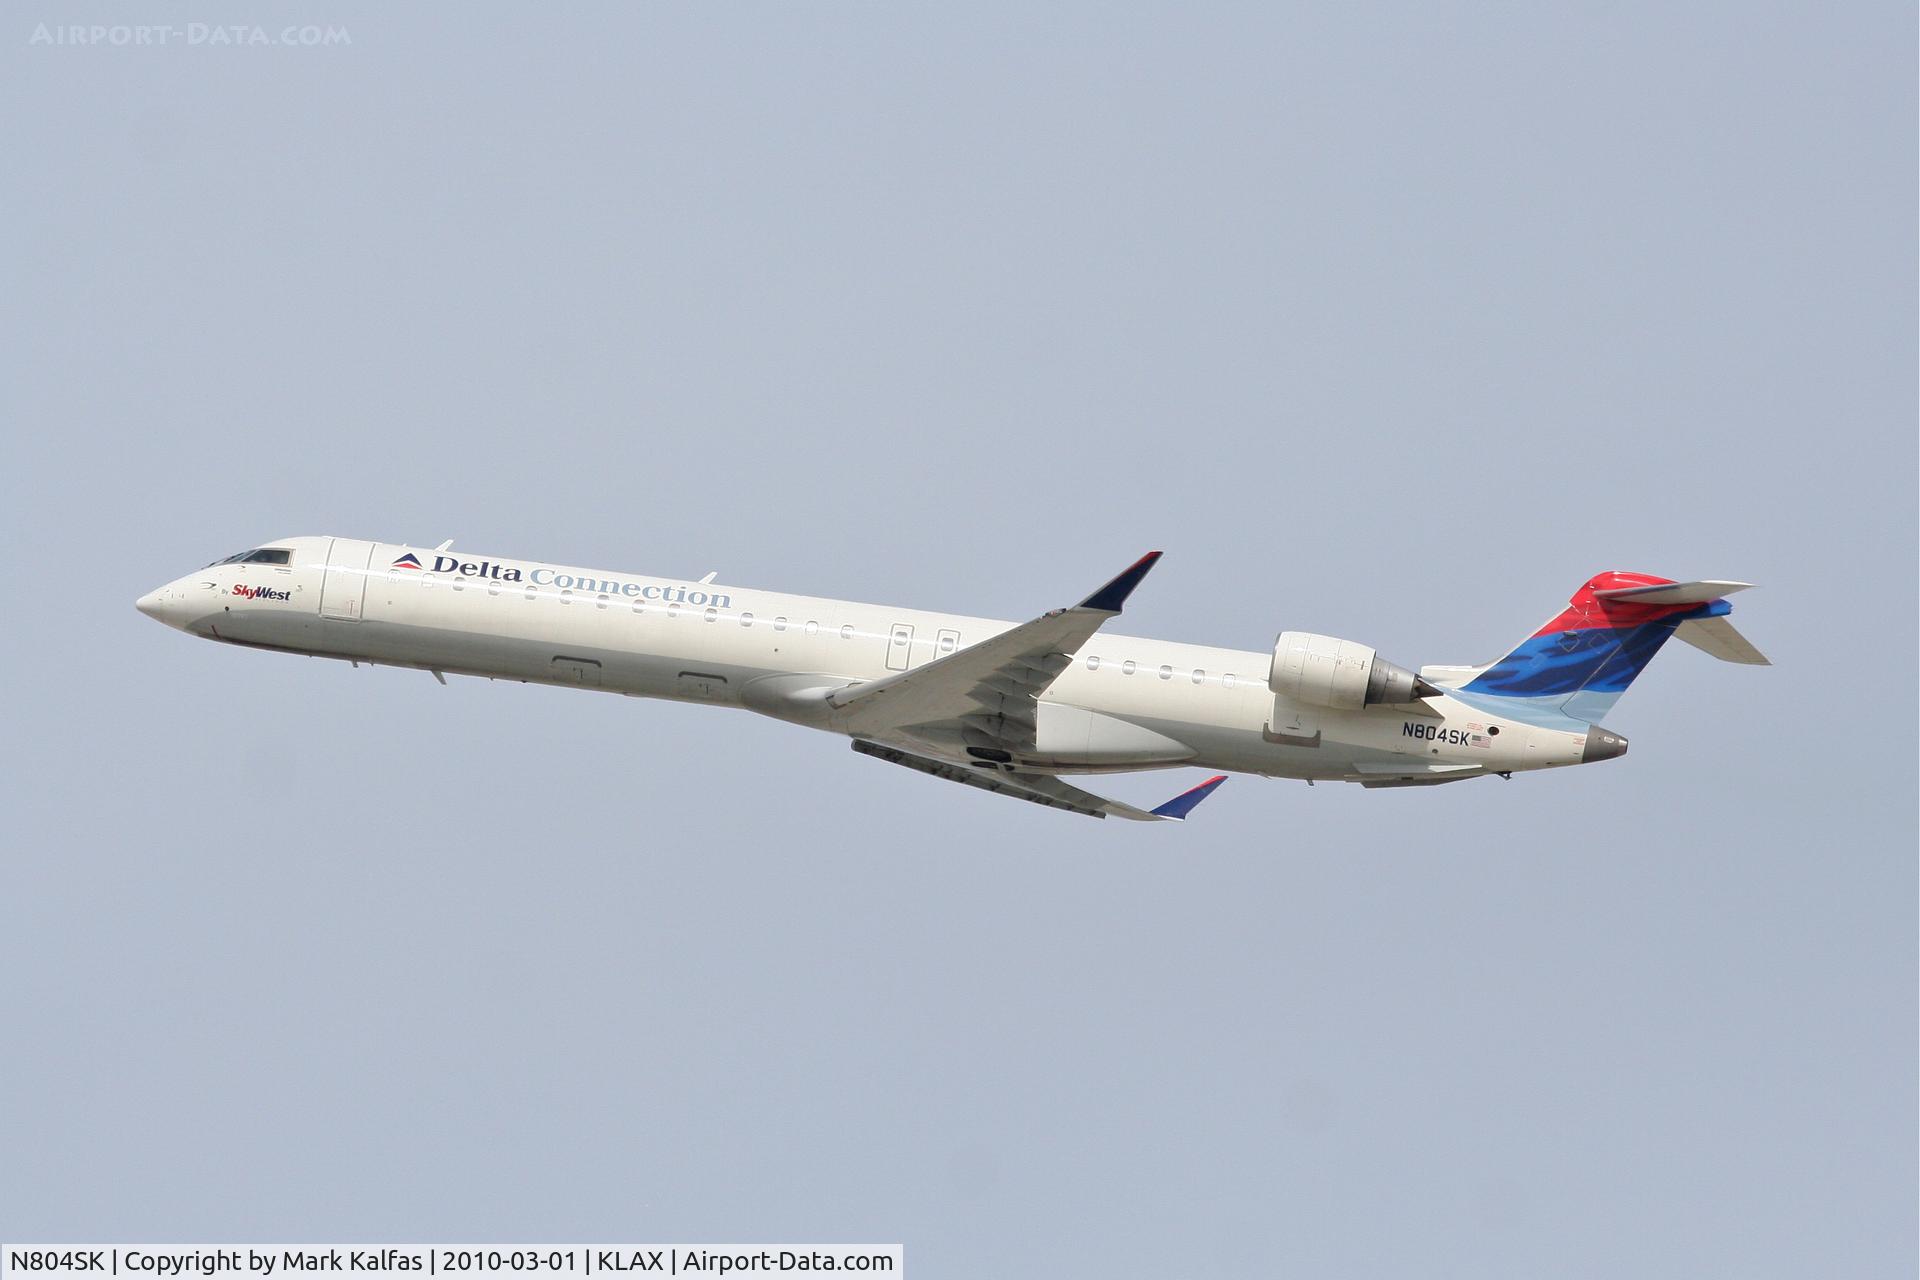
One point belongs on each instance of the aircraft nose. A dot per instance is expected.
(166, 605)
(1602, 744)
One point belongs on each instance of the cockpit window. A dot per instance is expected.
(260, 555)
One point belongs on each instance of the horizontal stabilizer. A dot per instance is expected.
(1718, 637)
(1673, 593)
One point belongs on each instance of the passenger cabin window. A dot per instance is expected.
(1199, 677)
(712, 613)
(746, 619)
(1166, 673)
(1126, 668)
(1093, 662)
(846, 632)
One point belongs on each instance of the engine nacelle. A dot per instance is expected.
(1340, 674)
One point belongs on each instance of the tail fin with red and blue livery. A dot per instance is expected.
(1583, 659)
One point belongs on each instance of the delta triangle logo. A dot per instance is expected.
(407, 561)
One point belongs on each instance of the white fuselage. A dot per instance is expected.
(1124, 703)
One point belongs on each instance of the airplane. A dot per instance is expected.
(1011, 709)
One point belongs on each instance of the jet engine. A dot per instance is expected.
(1340, 674)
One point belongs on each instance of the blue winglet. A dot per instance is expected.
(1181, 805)
(1109, 598)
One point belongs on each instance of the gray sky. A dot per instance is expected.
(1390, 322)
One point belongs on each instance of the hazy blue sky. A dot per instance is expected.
(1394, 322)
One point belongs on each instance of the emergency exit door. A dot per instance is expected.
(900, 646)
(343, 592)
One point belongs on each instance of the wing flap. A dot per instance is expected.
(1043, 788)
(984, 779)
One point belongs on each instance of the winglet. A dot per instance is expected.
(1183, 804)
(1109, 598)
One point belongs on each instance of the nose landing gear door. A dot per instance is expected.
(343, 593)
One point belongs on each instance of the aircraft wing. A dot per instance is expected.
(990, 687)
(987, 694)
(1043, 788)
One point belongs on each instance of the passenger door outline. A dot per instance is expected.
(343, 590)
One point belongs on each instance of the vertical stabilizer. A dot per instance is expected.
(1583, 659)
